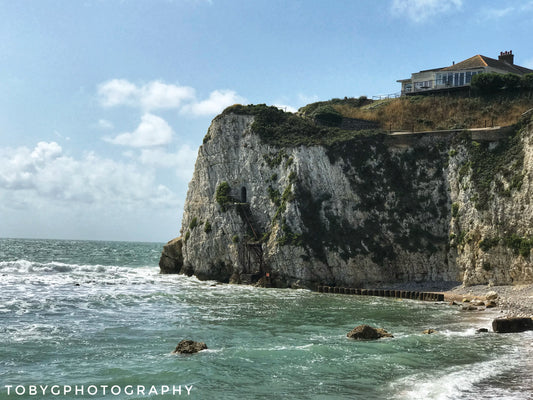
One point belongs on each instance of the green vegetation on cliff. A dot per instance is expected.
(283, 129)
(494, 169)
(222, 195)
(318, 123)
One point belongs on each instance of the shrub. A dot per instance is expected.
(455, 210)
(207, 227)
(327, 115)
(511, 82)
(487, 243)
(487, 83)
(526, 82)
(274, 195)
(222, 194)
(193, 224)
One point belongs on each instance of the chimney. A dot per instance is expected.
(507, 56)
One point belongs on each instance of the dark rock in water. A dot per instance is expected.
(429, 331)
(189, 347)
(366, 332)
(508, 325)
(482, 330)
(171, 260)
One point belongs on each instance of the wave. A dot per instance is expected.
(25, 266)
(471, 381)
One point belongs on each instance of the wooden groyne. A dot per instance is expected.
(399, 294)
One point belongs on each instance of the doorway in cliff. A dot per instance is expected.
(243, 194)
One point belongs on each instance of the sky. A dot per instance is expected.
(104, 103)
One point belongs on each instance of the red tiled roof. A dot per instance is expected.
(479, 61)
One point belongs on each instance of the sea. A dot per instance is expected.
(96, 320)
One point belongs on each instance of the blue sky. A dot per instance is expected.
(104, 103)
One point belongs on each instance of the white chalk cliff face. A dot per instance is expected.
(362, 211)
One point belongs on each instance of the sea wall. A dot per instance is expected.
(367, 210)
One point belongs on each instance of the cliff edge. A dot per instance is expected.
(278, 199)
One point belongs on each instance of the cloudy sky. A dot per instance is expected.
(104, 103)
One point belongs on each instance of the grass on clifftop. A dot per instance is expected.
(317, 123)
(283, 129)
(421, 113)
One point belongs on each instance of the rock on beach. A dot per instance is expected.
(509, 325)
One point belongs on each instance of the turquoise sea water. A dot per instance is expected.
(97, 316)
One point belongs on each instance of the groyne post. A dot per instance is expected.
(399, 294)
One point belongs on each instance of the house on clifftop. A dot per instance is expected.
(458, 76)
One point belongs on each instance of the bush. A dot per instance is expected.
(207, 227)
(487, 243)
(487, 83)
(526, 82)
(327, 115)
(455, 210)
(222, 194)
(193, 224)
(511, 82)
(520, 245)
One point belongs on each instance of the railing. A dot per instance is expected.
(433, 85)
(387, 96)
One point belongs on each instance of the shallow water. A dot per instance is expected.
(98, 313)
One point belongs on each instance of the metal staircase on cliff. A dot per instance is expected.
(251, 254)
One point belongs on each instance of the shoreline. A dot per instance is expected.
(511, 301)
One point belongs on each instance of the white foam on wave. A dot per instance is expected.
(459, 382)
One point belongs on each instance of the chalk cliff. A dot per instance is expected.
(275, 196)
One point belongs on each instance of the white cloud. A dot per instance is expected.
(46, 151)
(183, 160)
(118, 92)
(497, 13)
(45, 176)
(423, 10)
(105, 124)
(286, 108)
(217, 101)
(152, 131)
(154, 95)
(157, 95)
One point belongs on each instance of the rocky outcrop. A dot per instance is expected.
(189, 347)
(313, 206)
(509, 325)
(171, 261)
(366, 332)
